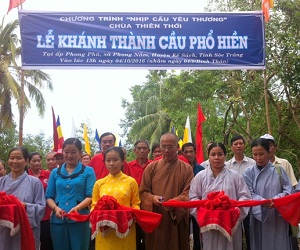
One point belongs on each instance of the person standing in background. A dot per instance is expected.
(35, 169)
(2, 168)
(59, 158)
(107, 140)
(189, 152)
(155, 151)
(239, 163)
(51, 161)
(205, 164)
(136, 169)
(86, 159)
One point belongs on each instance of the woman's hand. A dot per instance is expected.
(271, 204)
(75, 209)
(59, 213)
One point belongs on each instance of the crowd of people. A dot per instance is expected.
(74, 182)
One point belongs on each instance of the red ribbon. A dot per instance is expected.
(287, 206)
(108, 205)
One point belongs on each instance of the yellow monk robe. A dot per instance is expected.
(125, 189)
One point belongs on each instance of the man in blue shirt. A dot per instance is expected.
(189, 152)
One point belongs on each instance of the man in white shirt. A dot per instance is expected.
(239, 162)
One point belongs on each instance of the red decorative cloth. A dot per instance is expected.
(13, 215)
(225, 221)
(218, 215)
(9, 217)
(219, 212)
(217, 200)
(120, 220)
(109, 213)
(107, 203)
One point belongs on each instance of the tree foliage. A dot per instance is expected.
(232, 101)
(33, 143)
(12, 78)
(8, 140)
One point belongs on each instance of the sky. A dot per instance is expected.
(91, 95)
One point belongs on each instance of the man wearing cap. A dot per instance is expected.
(107, 140)
(59, 157)
(280, 161)
(290, 173)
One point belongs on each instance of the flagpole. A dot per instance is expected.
(22, 102)
(266, 96)
(21, 118)
(267, 102)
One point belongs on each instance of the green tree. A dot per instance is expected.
(282, 75)
(14, 81)
(8, 140)
(233, 101)
(38, 143)
(145, 116)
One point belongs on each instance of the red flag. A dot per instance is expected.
(265, 5)
(14, 4)
(55, 134)
(199, 148)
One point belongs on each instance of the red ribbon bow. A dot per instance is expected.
(217, 201)
(107, 202)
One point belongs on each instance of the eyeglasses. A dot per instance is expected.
(169, 147)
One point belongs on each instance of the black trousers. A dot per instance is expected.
(246, 226)
(196, 234)
(45, 238)
(140, 238)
